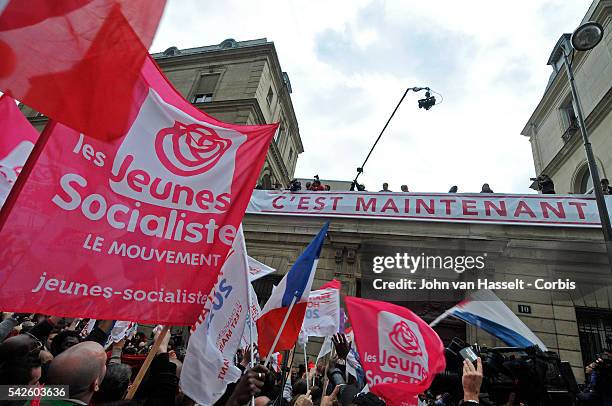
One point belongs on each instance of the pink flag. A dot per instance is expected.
(333, 284)
(17, 138)
(136, 228)
(402, 357)
(77, 61)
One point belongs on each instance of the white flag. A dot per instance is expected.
(322, 317)
(253, 314)
(258, 270)
(325, 348)
(209, 365)
(121, 329)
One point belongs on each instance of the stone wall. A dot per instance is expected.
(524, 252)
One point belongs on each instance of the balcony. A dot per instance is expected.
(570, 132)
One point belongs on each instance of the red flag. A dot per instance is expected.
(77, 61)
(136, 228)
(402, 357)
(17, 138)
(333, 284)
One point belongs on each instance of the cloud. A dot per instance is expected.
(350, 62)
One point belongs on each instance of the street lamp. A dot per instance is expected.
(426, 103)
(586, 37)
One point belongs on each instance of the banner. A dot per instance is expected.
(400, 353)
(532, 210)
(136, 228)
(17, 138)
(258, 270)
(209, 361)
(121, 329)
(322, 313)
(249, 335)
(77, 61)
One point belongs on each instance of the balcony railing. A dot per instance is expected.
(571, 130)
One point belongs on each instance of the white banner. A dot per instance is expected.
(258, 270)
(322, 313)
(121, 329)
(543, 210)
(253, 314)
(209, 362)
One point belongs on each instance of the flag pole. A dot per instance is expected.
(440, 318)
(147, 363)
(307, 371)
(25, 172)
(280, 330)
(326, 379)
(250, 314)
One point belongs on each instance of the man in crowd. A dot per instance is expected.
(316, 185)
(404, 188)
(545, 184)
(93, 377)
(82, 368)
(385, 187)
(605, 187)
(486, 189)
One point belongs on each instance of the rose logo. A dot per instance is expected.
(404, 339)
(189, 149)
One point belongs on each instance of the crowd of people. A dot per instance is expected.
(39, 350)
(543, 183)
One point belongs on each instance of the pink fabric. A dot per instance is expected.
(77, 61)
(333, 284)
(400, 353)
(17, 137)
(135, 228)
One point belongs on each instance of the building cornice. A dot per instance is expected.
(223, 106)
(254, 51)
(602, 13)
(253, 105)
(596, 116)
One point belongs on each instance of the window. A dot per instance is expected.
(594, 326)
(202, 98)
(270, 96)
(205, 89)
(568, 115)
(290, 156)
(586, 183)
(280, 133)
(266, 182)
(569, 120)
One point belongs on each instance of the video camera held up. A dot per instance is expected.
(531, 376)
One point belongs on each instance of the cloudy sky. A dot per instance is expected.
(350, 61)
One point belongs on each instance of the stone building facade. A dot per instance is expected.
(552, 129)
(572, 323)
(239, 82)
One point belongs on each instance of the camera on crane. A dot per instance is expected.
(428, 102)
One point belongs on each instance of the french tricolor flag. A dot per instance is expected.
(483, 309)
(294, 287)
